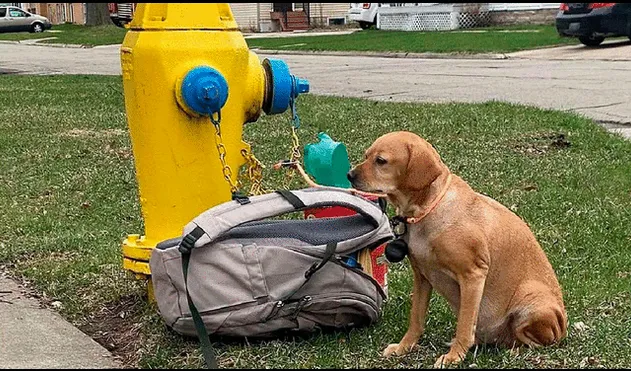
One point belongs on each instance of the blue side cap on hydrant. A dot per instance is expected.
(204, 90)
(285, 86)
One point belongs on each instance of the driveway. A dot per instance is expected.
(618, 49)
(594, 82)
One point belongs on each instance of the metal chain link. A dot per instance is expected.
(295, 149)
(221, 149)
(254, 172)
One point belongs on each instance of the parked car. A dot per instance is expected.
(363, 13)
(121, 13)
(593, 22)
(13, 19)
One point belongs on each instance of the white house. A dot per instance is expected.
(450, 16)
(267, 17)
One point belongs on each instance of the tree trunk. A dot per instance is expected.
(97, 14)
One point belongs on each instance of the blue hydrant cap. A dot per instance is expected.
(284, 86)
(302, 86)
(204, 90)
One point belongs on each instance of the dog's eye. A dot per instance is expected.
(381, 161)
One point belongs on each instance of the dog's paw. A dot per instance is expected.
(397, 350)
(449, 359)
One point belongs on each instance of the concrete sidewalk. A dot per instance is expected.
(32, 336)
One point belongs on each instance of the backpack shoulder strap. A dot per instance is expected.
(222, 218)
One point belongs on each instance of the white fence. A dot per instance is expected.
(440, 17)
(445, 16)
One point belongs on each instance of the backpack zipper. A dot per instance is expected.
(301, 303)
(347, 295)
(227, 309)
(279, 305)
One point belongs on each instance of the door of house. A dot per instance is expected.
(283, 7)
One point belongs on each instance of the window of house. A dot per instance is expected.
(337, 21)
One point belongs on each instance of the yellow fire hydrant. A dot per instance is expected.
(188, 75)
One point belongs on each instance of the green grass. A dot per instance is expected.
(68, 196)
(484, 40)
(74, 34)
(19, 36)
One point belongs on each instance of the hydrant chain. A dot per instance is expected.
(295, 155)
(295, 149)
(221, 149)
(254, 171)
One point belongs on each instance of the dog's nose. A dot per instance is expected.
(351, 176)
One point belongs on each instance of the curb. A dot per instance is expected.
(569, 59)
(75, 46)
(481, 56)
(620, 124)
(491, 56)
(50, 45)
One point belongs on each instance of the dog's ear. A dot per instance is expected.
(423, 167)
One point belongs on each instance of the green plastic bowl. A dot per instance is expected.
(327, 162)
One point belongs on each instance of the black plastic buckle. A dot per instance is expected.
(241, 199)
(187, 244)
(286, 163)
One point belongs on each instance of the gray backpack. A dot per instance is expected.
(234, 273)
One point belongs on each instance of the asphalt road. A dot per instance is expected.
(594, 82)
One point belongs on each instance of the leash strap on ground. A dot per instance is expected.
(186, 246)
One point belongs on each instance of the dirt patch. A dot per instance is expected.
(541, 144)
(87, 133)
(117, 327)
(122, 153)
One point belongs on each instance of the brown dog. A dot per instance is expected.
(474, 251)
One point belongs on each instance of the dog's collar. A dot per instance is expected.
(416, 219)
